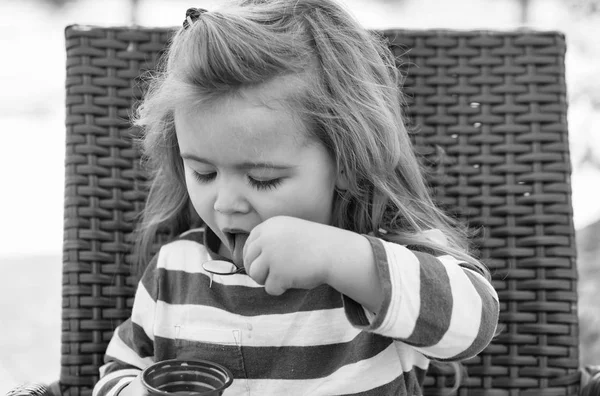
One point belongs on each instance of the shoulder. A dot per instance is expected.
(184, 252)
(189, 237)
(194, 235)
(431, 241)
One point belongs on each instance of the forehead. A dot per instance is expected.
(258, 118)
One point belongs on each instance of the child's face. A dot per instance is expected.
(246, 162)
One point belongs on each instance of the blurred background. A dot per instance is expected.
(32, 129)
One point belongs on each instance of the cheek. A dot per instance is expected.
(198, 196)
(309, 201)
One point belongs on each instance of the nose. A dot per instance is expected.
(230, 199)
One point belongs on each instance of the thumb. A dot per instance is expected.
(274, 288)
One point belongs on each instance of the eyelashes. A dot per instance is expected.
(264, 184)
(258, 184)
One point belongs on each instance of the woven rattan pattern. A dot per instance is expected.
(488, 115)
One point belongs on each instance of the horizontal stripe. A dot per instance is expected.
(182, 288)
(112, 381)
(143, 346)
(314, 361)
(134, 337)
(436, 302)
(466, 314)
(123, 382)
(149, 279)
(188, 256)
(115, 365)
(489, 315)
(294, 329)
(404, 299)
(356, 314)
(123, 352)
(356, 374)
(143, 311)
(284, 362)
(362, 376)
(183, 255)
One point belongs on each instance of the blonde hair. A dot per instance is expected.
(350, 102)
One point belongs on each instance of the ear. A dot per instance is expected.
(341, 181)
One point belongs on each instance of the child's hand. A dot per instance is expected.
(286, 252)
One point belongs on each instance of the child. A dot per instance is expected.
(279, 122)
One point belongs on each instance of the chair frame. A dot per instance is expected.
(488, 115)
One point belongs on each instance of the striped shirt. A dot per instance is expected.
(304, 342)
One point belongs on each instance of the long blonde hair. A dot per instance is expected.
(350, 101)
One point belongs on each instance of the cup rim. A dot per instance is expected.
(195, 362)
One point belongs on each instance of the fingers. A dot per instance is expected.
(258, 267)
(274, 288)
(259, 270)
(251, 252)
(251, 238)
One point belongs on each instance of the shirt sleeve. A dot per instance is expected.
(131, 348)
(437, 304)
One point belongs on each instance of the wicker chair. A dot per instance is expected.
(489, 115)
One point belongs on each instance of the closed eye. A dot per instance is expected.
(265, 184)
(204, 177)
(258, 184)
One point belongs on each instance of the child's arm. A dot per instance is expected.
(131, 348)
(352, 269)
(436, 304)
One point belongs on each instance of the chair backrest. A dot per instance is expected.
(489, 114)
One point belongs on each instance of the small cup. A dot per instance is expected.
(186, 378)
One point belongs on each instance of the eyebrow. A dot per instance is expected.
(242, 166)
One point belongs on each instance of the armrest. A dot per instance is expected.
(36, 390)
(590, 381)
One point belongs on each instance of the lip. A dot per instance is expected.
(235, 230)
